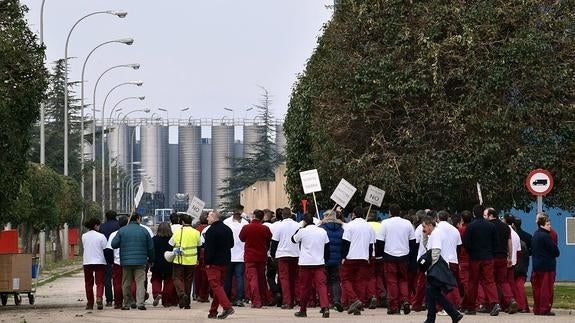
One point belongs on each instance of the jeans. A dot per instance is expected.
(235, 269)
(333, 282)
(108, 284)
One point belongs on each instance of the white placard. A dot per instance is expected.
(139, 194)
(479, 195)
(343, 193)
(374, 195)
(310, 181)
(196, 207)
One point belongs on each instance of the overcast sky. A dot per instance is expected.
(203, 54)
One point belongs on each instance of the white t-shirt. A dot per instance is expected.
(450, 239)
(282, 234)
(435, 240)
(516, 245)
(202, 238)
(116, 251)
(360, 235)
(396, 233)
(419, 239)
(148, 229)
(94, 244)
(312, 242)
(238, 249)
(175, 227)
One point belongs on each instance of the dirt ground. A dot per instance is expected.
(63, 300)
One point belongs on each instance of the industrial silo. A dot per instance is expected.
(222, 151)
(152, 159)
(118, 144)
(281, 142)
(189, 152)
(252, 135)
(165, 156)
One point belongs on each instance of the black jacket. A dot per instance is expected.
(161, 245)
(218, 240)
(480, 239)
(545, 251)
(439, 274)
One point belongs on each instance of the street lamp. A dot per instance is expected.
(232, 111)
(137, 83)
(117, 147)
(42, 104)
(120, 14)
(126, 41)
(166, 111)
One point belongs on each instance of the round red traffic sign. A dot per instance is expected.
(539, 182)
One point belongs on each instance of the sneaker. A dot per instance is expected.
(512, 307)
(372, 303)
(109, 304)
(238, 303)
(125, 308)
(213, 315)
(99, 304)
(157, 300)
(483, 309)
(338, 307)
(133, 305)
(357, 312)
(89, 307)
(226, 313)
(354, 306)
(300, 314)
(325, 313)
(442, 313)
(142, 308)
(184, 301)
(406, 307)
(458, 318)
(495, 310)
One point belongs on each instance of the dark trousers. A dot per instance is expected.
(108, 289)
(117, 283)
(333, 283)
(216, 276)
(94, 274)
(396, 283)
(183, 276)
(354, 279)
(312, 276)
(288, 268)
(480, 270)
(271, 274)
(435, 297)
(235, 269)
(542, 283)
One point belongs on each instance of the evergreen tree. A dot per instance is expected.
(259, 165)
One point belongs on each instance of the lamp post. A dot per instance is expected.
(133, 66)
(127, 41)
(137, 83)
(42, 104)
(120, 14)
(117, 147)
(232, 111)
(166, 111)
(183, 110)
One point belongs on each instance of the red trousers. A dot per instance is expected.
(375, 285)
(201, 285)
(354, 279)
(288, 272)
(257, 283)
(521, 297)
(504, 290)
(542, 283)
(216, 276)
(310, 276)
(94, 274)
(162, 284)
(480, 270)
(419, 296)
(463, 277)
(453, 296)
(117, 285)
(396, 282)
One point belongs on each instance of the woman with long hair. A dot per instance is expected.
(162, 283)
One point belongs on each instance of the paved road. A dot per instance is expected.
(63, 300)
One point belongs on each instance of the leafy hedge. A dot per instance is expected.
(426, 98)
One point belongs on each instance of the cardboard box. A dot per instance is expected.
(15, 272)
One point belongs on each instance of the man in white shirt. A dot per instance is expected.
(394, 241)
(450, 242)
(515, 249)
(286, 253)
(314, 249)
(357, 246)
(175, 222)
(236, 222)
(94, 263)
(419, 295)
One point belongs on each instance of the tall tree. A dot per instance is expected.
(426, 98)
(23, 80)
(258, 165)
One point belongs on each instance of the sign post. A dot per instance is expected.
(310, 183)
(539, 182)
(374, 195)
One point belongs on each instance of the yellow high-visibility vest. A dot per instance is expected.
(188, 240)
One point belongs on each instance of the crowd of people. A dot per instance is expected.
(453, 264)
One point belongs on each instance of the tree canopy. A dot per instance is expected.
(424, 99)
(23, 80)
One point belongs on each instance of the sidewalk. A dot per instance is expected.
(63, 300)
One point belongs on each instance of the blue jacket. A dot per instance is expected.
(135, 244)
(545, 251)
(334, 229)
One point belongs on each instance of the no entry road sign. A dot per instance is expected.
(539, 182)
